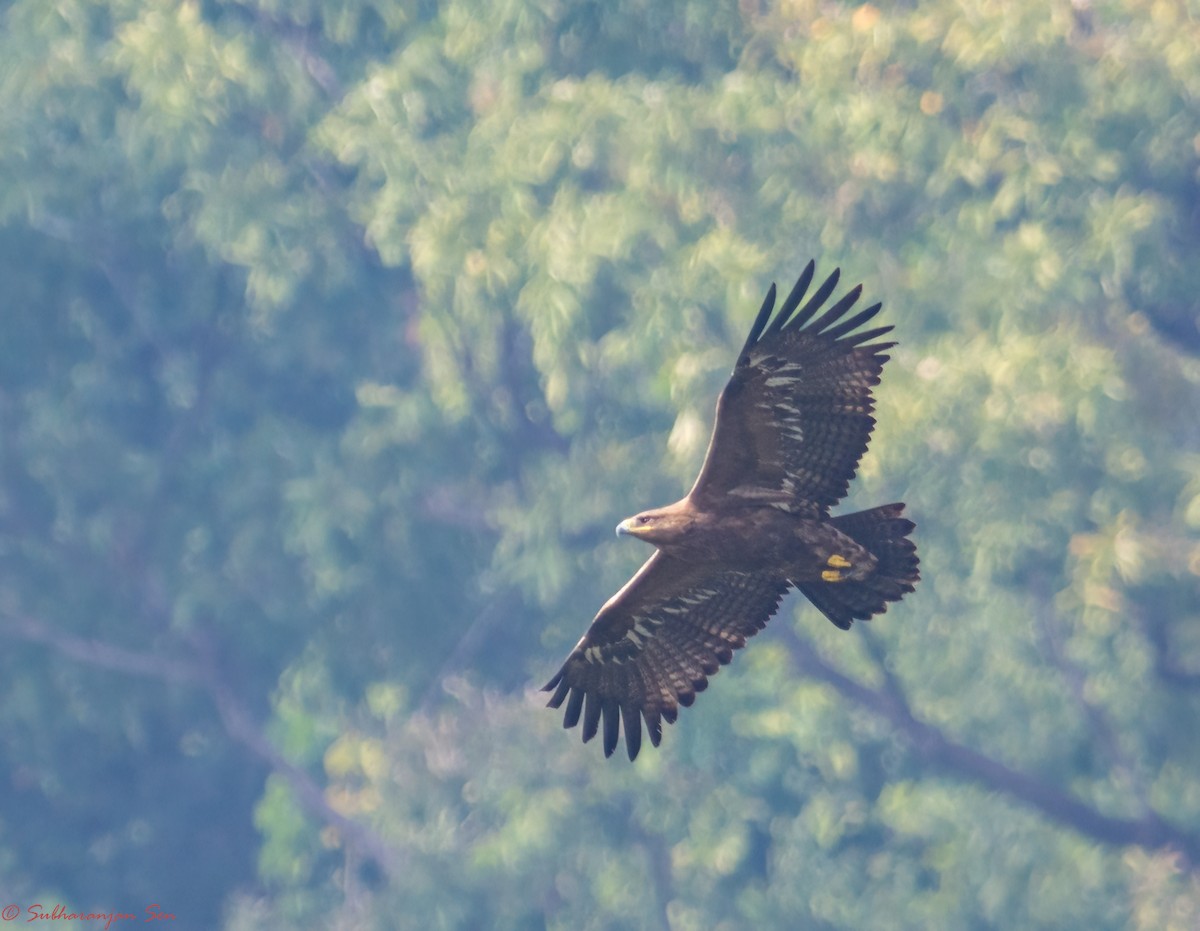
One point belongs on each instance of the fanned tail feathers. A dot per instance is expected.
(884, 532)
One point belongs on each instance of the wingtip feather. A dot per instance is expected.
(632, 722)
(561, 691)
(815, 302)
(653, 725)
(794, 297)
(843, 304)
(591, 716)
(760, 321)
(612, 726)
(574, 706)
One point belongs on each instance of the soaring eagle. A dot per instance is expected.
(792, 423)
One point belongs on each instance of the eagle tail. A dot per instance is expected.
(884, 532)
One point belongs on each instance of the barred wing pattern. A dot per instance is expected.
(795, 417)
(653, 646)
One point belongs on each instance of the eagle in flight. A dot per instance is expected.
(792, 423)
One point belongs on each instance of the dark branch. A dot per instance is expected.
(1150, 831)
(658, 857)
(94, 652)
(1051, 639)
(239, 724)
(1166, 666)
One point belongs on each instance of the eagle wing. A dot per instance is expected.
(795, 417)
(654, 644)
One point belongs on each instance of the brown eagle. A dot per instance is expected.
(792, 423)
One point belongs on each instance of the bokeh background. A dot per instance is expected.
(337, 335)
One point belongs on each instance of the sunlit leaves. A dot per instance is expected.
(340, 335)
(988, 165)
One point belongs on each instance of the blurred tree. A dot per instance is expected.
(339, 335)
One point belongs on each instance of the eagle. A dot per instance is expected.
(792, 423)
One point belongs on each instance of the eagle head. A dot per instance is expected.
(662, 525)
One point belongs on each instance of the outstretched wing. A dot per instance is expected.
(795, 417)
(654, 644)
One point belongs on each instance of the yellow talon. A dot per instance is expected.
(831, 575)
(837, 562)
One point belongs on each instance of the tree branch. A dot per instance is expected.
(94, 652)
(240, 726)
(238, 723)
(1098, 720)
(1150, 831)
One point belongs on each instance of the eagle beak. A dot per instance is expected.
(625, 528)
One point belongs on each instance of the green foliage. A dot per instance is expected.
(338, 336)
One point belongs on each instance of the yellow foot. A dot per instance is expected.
(836, 563)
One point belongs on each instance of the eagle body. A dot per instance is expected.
(792, 423)
(747, 538)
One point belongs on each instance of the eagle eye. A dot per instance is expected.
(643, 520)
